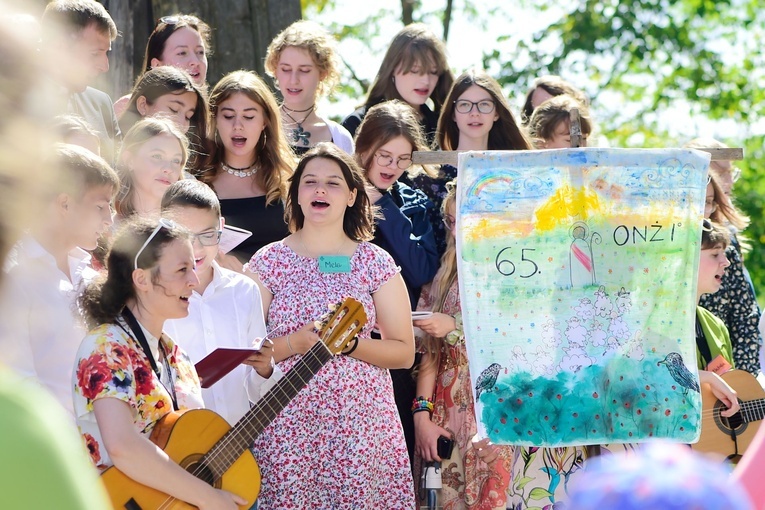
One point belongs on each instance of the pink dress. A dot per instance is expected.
(339, 444)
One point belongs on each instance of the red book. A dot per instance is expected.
(220, 362)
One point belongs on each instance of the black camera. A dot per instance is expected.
(444, 447)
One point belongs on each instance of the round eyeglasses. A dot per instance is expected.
(385, 160)
(465, 106)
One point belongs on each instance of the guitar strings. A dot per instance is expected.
(216, 450)
(221, 447)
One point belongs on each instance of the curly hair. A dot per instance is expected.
(103, 300)
(320, 45)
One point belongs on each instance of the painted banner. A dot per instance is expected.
(577, 272)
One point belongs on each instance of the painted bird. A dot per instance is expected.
(487, 379)
(679, 372)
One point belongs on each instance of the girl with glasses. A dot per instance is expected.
(303, 61)
(476, 116)
(482, 470)
(225, 309)
(384, 145)
(129, 374)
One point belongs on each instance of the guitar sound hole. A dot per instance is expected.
(734, 421)
(202, 472)
(734, 424)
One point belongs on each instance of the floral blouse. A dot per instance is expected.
(435, 189)
(111, 364)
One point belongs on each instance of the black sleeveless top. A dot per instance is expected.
(265, 222)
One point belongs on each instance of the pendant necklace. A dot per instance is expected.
(247, 171)
(298, 134)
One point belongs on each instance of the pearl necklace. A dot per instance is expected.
(241, 172)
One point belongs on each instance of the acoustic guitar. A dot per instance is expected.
(731, 436)
(206, 446)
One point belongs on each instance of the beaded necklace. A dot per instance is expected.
(247, 171)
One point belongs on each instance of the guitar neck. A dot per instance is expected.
(241, 436)
(753, 410)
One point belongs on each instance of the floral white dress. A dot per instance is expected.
(111, 364)
(339, 443)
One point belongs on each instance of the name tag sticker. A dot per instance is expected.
(718, 365)
(334, 264)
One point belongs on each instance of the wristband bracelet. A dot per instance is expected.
(353, 348)
(422, 404)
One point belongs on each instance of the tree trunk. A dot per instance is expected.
(447, 18)
(407, 11)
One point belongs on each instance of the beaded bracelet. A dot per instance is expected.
(422, 404)
(355, 344)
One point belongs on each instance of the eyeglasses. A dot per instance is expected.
(170, 225)
(465, 106)
(449, 222)
(401, 163)
(209, 238)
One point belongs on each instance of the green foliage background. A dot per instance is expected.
(641, 62)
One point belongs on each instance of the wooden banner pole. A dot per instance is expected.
(450, 157)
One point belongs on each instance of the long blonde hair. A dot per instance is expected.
(445, 277)
(141, 132)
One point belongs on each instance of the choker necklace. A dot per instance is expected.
(298, 134)
(247, 171)
(298, 111)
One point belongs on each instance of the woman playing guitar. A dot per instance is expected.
(129, 374)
